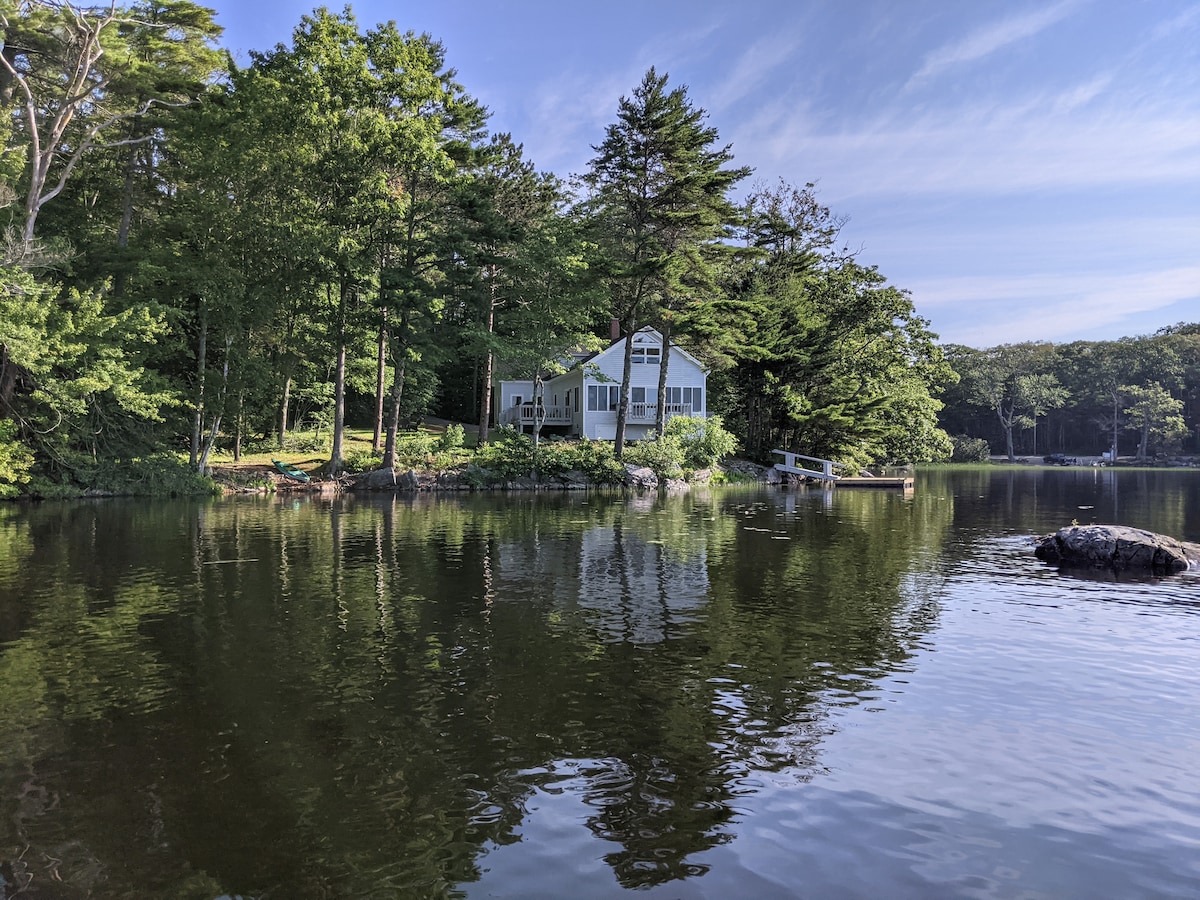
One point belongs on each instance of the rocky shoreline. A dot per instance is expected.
(474, 478)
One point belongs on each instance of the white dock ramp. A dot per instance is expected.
(792, 467)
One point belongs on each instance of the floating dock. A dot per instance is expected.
(828, 477)
(903, 482)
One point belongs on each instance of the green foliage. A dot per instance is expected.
(1155, 413)
(1079, 398)
(452, 438)
(361, 461)
(663, 455)
(509, 456)
(74, 369)
(969, 449)
(659, 208)
(16, 461)
(598, 461)
(306, 442)
(414, 447)
(157, 475)
(702, 442)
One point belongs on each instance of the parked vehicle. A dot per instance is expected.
(1057, 459)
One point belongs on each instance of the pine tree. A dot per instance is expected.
(660, 188)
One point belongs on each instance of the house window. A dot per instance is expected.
(650, 356)
(638, 395)
(516, 400)
(690, 397)
(603, 397)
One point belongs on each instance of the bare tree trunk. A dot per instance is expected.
(216, 423)
(389, 446)
(660, 417)
(489, 362)
(1116, 423)
(201, 353)
(539, 415)
(284, 404)
(238, 426)
(339, 410)
(339, 382)
(630, 328)
(380, 384)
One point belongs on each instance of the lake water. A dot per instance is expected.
(728, 693)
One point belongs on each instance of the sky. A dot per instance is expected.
(1027, 170)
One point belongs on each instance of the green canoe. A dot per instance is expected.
(291, 471)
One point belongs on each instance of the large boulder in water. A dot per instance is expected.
(1118, 547)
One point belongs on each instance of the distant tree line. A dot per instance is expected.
(1137, 397)
(201, 255)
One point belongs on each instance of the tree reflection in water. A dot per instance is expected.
(362, 695)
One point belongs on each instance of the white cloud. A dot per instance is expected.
(990, 38)
(1186, 20)
(752, 68)
(1047, 142)
(985, 311)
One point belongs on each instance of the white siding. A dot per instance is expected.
(605, 369)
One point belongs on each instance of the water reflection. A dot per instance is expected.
(413, 696)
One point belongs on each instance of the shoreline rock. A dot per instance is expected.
(1117, 547)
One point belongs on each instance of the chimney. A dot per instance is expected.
(615, 329)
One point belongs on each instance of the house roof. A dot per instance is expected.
(648, 329)
(583, 358)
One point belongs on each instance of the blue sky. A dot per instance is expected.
(1028, 170)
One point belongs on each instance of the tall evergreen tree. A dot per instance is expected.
(659, 193)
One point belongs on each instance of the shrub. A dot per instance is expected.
(452, 438)
(415, 449)
(509, 456)
(702, 442)
(596, 460)
(361, 461)
(663, 455)
(969, 449)
(158, 475)
(307, 442)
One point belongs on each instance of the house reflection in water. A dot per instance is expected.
(620, 579)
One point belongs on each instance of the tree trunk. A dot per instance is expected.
(660, 416)
(389, 447)
(623, 405)
(380, 384)
(8, 378)
(238, 426)
(1116, 424)
(539, 415)
(489, 362)
(339, 381)
(339, 409)
(127, 192)
(201, 353)
(284, 404)
(216, 423)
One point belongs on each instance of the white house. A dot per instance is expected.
(582, 402)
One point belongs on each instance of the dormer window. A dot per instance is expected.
(649, 356)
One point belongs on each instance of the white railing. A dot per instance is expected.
(648, 412)
(548, 415)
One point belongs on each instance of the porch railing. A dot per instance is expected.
(549, 415)
(648, 412)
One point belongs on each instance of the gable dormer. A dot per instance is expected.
(647, 348)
